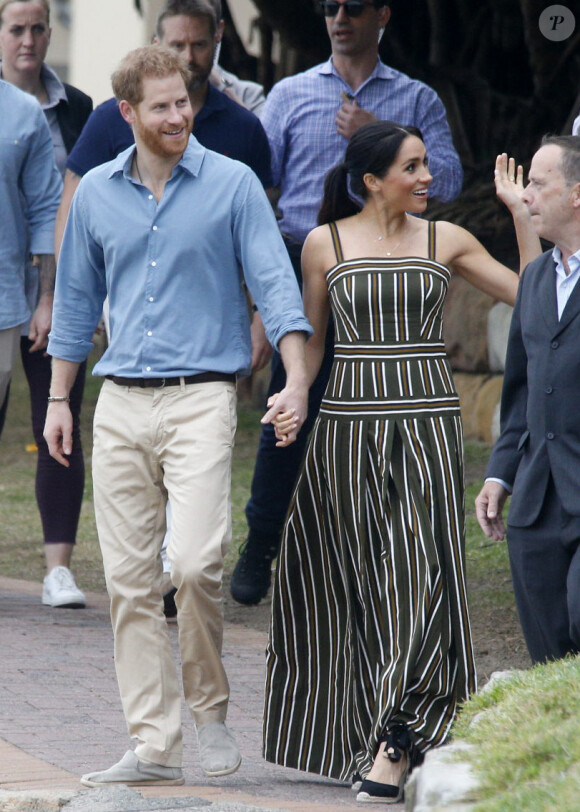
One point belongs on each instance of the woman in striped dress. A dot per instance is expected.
(370, 647)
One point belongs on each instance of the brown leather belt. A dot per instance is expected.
(145, 383)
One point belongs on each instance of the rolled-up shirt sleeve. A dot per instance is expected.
(80, 287)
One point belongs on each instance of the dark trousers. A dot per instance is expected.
(59, 490)
(276, 469)
(545, 564)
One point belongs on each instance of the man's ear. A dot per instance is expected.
(575, 195)
(127, 111)
(385, 15)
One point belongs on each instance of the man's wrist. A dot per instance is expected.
(506, 486)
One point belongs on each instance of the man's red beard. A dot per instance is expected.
(161, 145)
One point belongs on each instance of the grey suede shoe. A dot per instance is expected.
(218, 751)
(132, 772)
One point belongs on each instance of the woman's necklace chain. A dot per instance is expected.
(388, 253)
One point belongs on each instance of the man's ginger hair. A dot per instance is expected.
(148, 61)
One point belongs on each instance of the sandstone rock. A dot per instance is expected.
(465, 326)
(442, 782)
(498, 326)
(479, 396)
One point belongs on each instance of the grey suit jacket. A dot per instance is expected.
(540, 409)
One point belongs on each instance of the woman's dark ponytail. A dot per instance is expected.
(336, 200)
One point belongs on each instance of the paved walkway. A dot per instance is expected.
(60, 714)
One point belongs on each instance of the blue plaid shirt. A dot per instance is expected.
(299, 118)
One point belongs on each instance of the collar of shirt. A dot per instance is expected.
(380, 71)
(53, 86)
(565, 282)
(190, 162)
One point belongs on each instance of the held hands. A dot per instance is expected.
(287, 420)
(351, 117)
(488, 509)
(509, 182)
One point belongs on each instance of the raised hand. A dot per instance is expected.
(509, 182)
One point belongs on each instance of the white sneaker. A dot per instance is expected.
(59, 589)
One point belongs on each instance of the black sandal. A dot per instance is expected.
(397, 744)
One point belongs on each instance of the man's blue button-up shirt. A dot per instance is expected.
(173, 270)
(30, 188)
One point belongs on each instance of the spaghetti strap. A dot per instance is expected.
(336, 242)
(431, 242)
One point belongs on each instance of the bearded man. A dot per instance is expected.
(172, 233)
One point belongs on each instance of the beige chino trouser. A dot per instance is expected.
(151, 445)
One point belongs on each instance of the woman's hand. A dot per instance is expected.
(509, 182)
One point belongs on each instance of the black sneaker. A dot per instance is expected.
(252, 574)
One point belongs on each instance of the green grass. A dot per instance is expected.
(527, 739)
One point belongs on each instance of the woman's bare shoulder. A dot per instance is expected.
(453, 241)
(319, 237)
(451, 231)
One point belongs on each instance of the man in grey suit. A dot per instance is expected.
(537, 455)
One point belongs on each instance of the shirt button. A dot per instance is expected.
(154, 264)
(550, 435)
(554, 345)
(149, 333)
(154, 228)
(549, 390)
(151, 299)
(147, 369)
(149, 197)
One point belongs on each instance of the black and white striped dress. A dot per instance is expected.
(370, 624)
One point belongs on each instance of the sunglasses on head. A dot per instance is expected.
(352, 8)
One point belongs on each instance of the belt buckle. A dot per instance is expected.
(162, 384)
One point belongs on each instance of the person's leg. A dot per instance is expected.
(130, 500)
(4, 409)
(540, 564)
(275, 474)
(9, 342)
(573, 592)
(59, 490)
(571, 540)
(196, 459)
